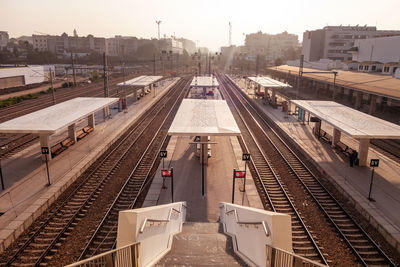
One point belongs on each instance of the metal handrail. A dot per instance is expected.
(158, 220)
(263, 223)
(92, 260)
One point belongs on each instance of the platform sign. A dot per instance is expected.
(246, 156)
(240, 174)
(45, 150)
(166, 173)
(163, 153)
(374, 163)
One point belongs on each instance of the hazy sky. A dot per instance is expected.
(205, 20)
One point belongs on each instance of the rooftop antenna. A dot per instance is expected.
(230, 33)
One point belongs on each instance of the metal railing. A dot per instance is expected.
(127, 256)
(161, 221)
(262, 223)
(280, 258)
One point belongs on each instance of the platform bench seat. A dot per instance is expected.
(83, 132)
(61, 146)
(325, 136)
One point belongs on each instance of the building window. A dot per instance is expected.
(386, 69)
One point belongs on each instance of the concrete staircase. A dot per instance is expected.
(201, 244)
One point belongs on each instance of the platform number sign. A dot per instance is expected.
(374, 163)
(246, 156)
(45, 150)
(163, 154)
(166, 173)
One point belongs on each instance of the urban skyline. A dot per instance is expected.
(193, 20)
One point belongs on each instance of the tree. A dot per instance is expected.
(278, 62)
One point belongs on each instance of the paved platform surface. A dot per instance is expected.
(226, 155)
(380, 84)
(352, 181)
(27, 195)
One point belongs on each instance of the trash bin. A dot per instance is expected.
(284, 106)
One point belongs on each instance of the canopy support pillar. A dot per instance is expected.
(71, 132)
(336, 137)
(363, 151)
(91, 120)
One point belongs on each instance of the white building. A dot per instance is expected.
(171, 44)
(334, 42)
(377, 54)
(18, 76)
(3, 39)
(40, 42)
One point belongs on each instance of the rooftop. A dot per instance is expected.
(202, 118)
(52, 119)
(268, 82)
(141, 81)
(352, 122)
(204, 81)
(382, 85)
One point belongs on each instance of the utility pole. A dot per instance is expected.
(300, 74)
(73, 68)
(158, 24)
(52, 87)
(154, 64)
(106, 93)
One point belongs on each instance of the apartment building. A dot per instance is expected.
(122, 45)
(272, 46)
(3, 39)
(334, 42)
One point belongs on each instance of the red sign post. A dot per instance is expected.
(169, 173)
(237, 175)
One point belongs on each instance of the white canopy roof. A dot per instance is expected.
(353, 122)
(268, 82)
(54, 118)
(204, 81)
(141, 81)
(203, 117)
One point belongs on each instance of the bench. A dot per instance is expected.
(61, 146)
(325, 136)
(83, 132)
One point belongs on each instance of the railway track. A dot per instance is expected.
(389, 148)
(46, 234)
(104, 237)
(268, 148)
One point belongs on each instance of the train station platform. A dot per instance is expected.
(27, 194)
(212, 122)
(352, 182)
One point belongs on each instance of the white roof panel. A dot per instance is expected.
(268, 82)
(202, 117)
(54, 118)
(203, 81)
(353, 122)
(141, 81)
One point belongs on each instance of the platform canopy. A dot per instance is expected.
(204, 81)
(268, 82)
(141, 81)
(350, 121)
(200, 117)
(54, 118)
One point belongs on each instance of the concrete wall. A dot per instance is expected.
(156, 239)
(32, 74)
(384, 49)
(251, 239)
